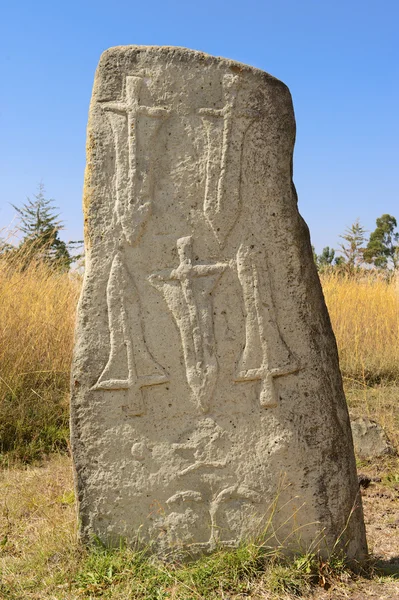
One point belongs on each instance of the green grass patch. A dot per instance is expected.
(239, 572)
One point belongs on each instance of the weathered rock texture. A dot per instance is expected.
(370, 439)
(206, 386)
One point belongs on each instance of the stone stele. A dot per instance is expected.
(207, 399)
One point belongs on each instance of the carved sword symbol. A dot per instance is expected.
(192, 310)
(225, 129)
(134, 169)
(263, 338)
(130, 364)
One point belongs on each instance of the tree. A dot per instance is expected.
(339, 261)
(383, 248)
(325, 259)
(41, 227)
(314, 254)
(353, 248)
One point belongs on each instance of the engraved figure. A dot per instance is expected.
(192, 310)
(137, 125)
(210, 502)
(239, 497)
(264, 345)
(205, 447)
(130, 364)
(225, 129)
(212, 516)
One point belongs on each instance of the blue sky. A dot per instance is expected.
(339, 58)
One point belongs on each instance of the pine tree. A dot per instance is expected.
(41, 226)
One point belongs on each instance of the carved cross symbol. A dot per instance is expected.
(191, 307)
(225, 128)
(134, 191)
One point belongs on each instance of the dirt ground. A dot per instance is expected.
(381, 512)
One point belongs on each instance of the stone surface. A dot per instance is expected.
(369, 438)
(206, 387)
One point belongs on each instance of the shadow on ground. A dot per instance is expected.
(388, 567)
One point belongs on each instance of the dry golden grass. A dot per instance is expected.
(38, 309)
(364, 312)
(37, 312)
(39, 554)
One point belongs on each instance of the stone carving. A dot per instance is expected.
(225, 129)
(263, 341)
(217, 506)
(130, 364)
(202, 223)
(135, 128)
(191, 308)
(204, 447)
(214, 492)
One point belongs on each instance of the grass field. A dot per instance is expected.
(40, 555)
(37, 308)
(364, 312)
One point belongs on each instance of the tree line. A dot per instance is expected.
(380, 250)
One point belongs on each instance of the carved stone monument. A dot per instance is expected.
(206, 388)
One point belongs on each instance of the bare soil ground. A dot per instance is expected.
(380, 500)
(381, 509)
